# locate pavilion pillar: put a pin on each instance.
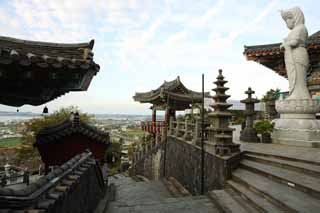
(167, 115)
(154, 120)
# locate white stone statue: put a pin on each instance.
(296, 55)
(297, 124)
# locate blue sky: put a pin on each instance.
(141, 43)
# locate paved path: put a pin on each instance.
(153, 197)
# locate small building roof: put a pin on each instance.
(172, 92)
(33, 72)
(52, 134)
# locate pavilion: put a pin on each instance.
(272, 57)
(59, 143)
(170, 97)
(33, 72)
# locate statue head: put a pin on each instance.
(293, 17)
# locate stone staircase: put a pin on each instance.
(153, 197)
(270, 183)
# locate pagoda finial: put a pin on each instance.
(249, 92)
(220, 76)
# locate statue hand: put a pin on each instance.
(282, 47)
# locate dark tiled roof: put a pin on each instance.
(252, 52)
(35, 73)
(56, 132)
(45, 54)
(175, 89)
(35, 193)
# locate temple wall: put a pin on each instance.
(151, 164)
(183, 162)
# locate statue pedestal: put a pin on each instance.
(297, 124)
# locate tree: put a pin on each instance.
(26, 151)
(271, 95)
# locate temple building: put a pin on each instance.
(272, 57)
(59, 143)
(35, 73)
(170, 97)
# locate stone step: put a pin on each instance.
(259, 202)
(290, 199)
(176, 188)
(297, 180)
(228, 201)
(296, 159)
(310, 168)
(171, 188)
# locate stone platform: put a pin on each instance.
(294, 152)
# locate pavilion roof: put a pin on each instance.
(33, 72)
(54, 133)
(173, 92)
(272, 57)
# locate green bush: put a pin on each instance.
(263, 126)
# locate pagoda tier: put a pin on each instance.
(220, 134)
(33, 72)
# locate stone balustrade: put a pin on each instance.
(187, 130)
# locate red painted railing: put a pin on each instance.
(152, 127)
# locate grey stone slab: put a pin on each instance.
(228, 202)
(256, 199)
(153, 197)
(280, 193)
(299, 153)
(306, 181)
(286, 163)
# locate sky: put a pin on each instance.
(141, 43)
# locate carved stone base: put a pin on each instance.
(297, 137)
(249, 135)
(227, 149)
(297, 124)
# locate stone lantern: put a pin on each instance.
(249, 134)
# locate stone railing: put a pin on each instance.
(76, 186)
(152, 127)
(187, 130)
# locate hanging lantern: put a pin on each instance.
(45, 110)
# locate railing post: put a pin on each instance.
(176, 133)
(164, 130)
(171, 126)
(186, 129)
(196, 132)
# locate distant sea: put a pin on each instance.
(12, 116)
(21, 116)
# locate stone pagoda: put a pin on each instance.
(249, 134)
(220, 134)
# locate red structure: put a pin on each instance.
(58, 144)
